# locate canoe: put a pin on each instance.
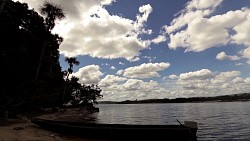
(119, 132)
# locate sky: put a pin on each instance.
(149, 49)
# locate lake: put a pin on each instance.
(216, 121)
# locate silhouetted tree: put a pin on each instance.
(23, 33)
(27, 41)
(52, 13)
(71, 61)
(86, 95)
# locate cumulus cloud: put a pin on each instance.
(224, 77)
(159, 39)
(150, 58)
(110, 80)
(121, 63)
(224, 56)
(145, 70)
(112, 68)
(102, 35)
(207, 83)
(239, 64)
(201, 4)
(200, 74)
(130, 89)
(120, 72)
(215, 33)
(89, 74)
(106, 2)
(173, 76)
(194, 9)
(191, 84)
(90, 29)
(196, 30)
(246, 54)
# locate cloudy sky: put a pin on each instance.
(143, 49)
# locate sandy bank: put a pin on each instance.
(24, 130)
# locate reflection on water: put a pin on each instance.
(216, 121)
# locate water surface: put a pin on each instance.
(216, 121)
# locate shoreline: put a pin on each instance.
(22, 129)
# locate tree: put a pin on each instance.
(86, 95)
(23, 33)
(52, 12)
(71, 61)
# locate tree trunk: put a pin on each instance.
(41, 59)
(64, 91)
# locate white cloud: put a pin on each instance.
(90, 29)
(150, 59)
(203, 4)
(134, 59)
(106, 36)
(224, 56)
(159, 39)
(106, 2)
(145, 70)
(120, 72)
(121, 63)
(238, 80)
(203, 84)
(112, 68)
(224, 77)
(141, 19)
(242, 29)
(196, 30)
(247, 80)
(173, 76)
(110, 80)
(105, 64)
(89, 74)
(130, 89)
(194, 9)
(246, 54)
(239, 64)
(200, 75)
(199, 83)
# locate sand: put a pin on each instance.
(23, 130)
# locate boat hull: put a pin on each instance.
(119, 131)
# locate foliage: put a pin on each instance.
(84, 94)
(76, 93)
(23, 34)
(29, 57)
(71, 61)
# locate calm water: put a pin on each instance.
(216, 121)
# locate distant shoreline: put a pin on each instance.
(244, 97)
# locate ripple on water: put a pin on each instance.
(216, 121)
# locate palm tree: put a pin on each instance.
(71, 61)
(52, 12)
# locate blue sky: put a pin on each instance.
(147, 49)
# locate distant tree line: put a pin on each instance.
(224, 98)
(29, 56)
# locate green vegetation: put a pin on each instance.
(29, 56)
(224, 98)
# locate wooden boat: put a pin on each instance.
(119, 132)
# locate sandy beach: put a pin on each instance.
(23, 130)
